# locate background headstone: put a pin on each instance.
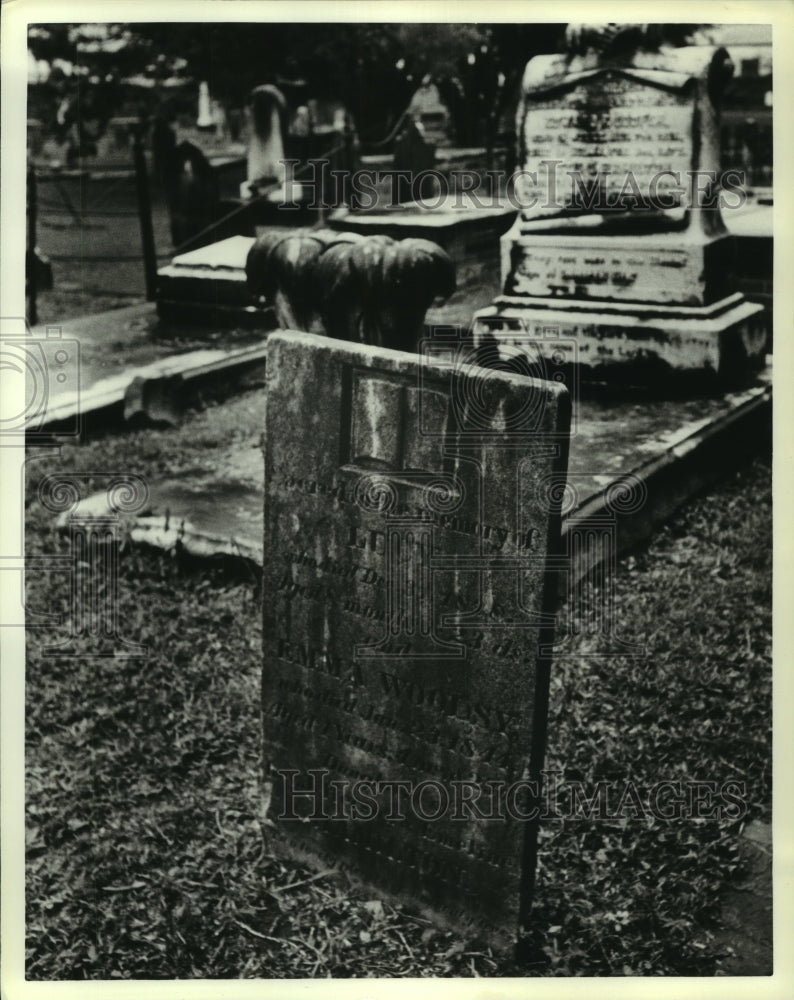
(429, 110)
(619, 242)
(192, 192)
(266, 148)
(412, 505)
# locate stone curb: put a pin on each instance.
(155, 393)
(687, 464)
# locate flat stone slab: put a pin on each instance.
(199, 516)
(208, 282)
(659, 442)
(452, 211)
(138, 337)
(226, 255)
(219, 266)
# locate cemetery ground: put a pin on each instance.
(92, 237)
(146, 855)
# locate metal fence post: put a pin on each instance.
(145, 214)
(31, 263)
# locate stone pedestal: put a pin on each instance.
(619, 259)
(626, 342)
(684, 268)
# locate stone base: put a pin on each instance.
(212, 274)
(208, 286)
(623, 342)
(677, 446)
(688, 267)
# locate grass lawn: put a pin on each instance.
(145, 853)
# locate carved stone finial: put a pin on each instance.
(370, 289)
(605, 37)
(625, 39)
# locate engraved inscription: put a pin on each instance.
(404, 604)
(597, 271)
(608, 129)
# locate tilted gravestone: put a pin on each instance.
(412, 503)
(619, 243)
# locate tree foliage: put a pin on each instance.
(373, 69)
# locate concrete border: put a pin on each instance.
(183, 378)
(678, 471)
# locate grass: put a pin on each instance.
(96, 253)
(145, 853)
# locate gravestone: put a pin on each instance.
(266, 146)
(204, 119)
(619, 242)
(429, 110)
(412, 505)
(191, 188)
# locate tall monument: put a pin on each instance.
(619, 254)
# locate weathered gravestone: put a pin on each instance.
(429, 110)
(411, 506)
(266, 148)
(192, 193)
(619, 243)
